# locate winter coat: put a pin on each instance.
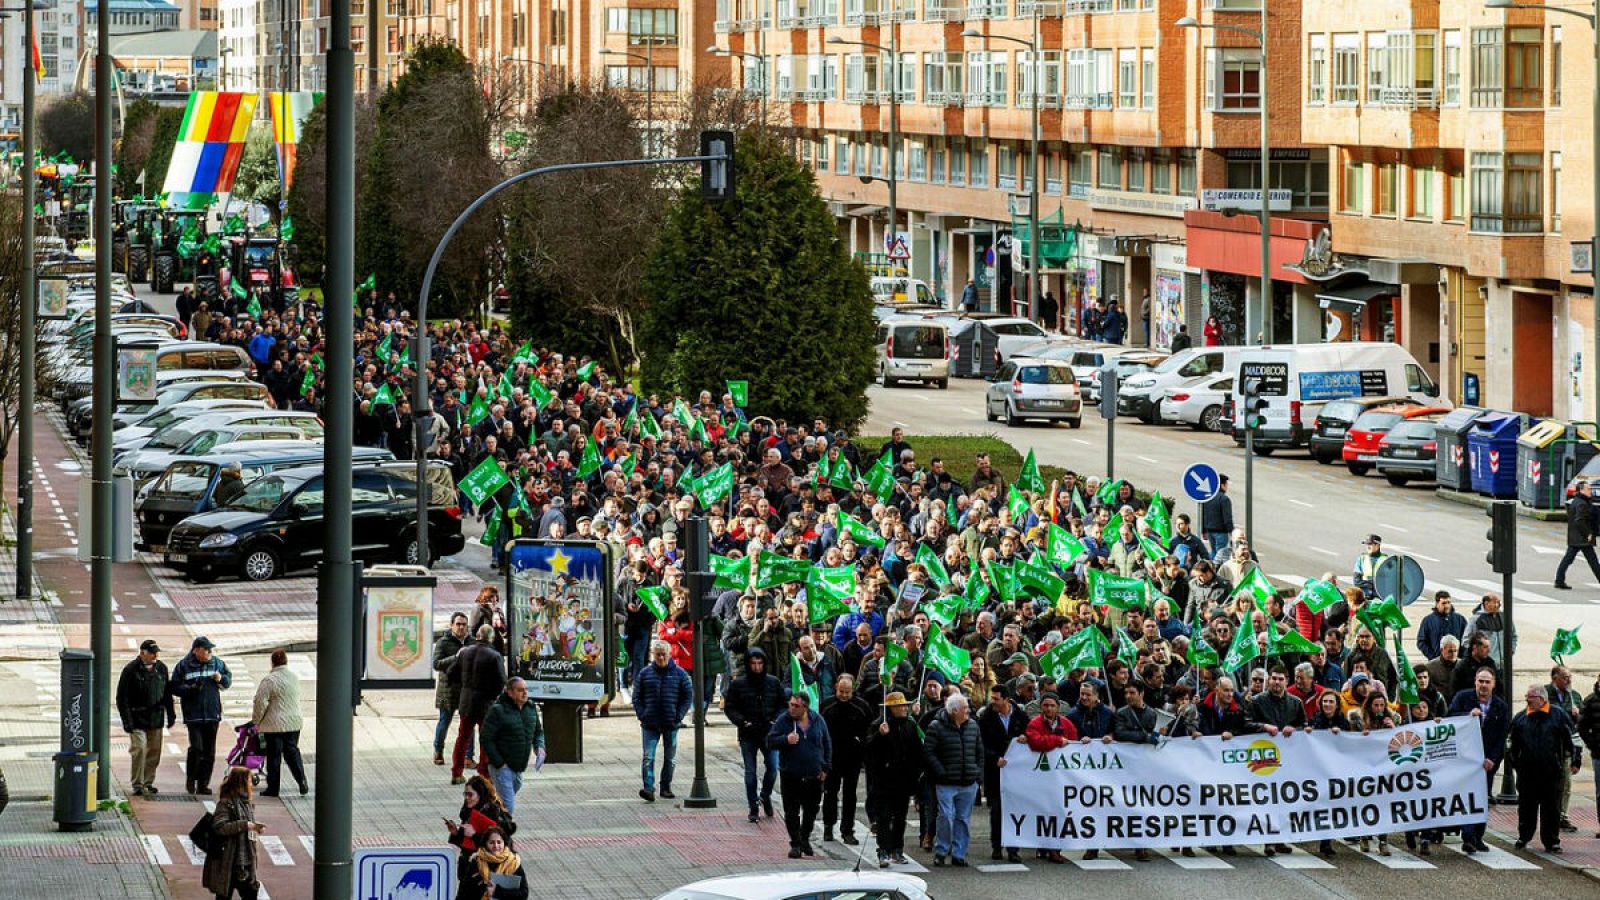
(954, 754)
(445, 694)
(198, 693)
(1434, 627)
(1216, 515)
(510, 735)
(478, 672)
(1589, 724)
(1091, 723)
(848, 722)
(820, 672)
(752, 703)
(1541, 745)
(777, 642)
(1580, 521)
(1215, 720)
(811, 755)
(277, 706)
(1044, 735)
(736, 644)
(662, 696)
(895, 761)
(143, 701)
(713, 662)
(1496, 723)
(997, 735)
(1135, 726)
(1287, 711)
(231, 821)
(680, 638)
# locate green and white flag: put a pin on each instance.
(799, 685)
(1017, 503)
(740, 391)
(1156, 517)
(525, 354)
(1062, 548)
(1108, 492)
(254, 309)
(1111, 589)
(978, 591)
(1085, 649)
(385, 347)
(628, 465)
(951, 661)
(893, 656)
(930, 560)
(482, 482)
(1281, 641)
(681, 413)
(648, 426)
(731, 574)
(586, 371)
(1257, 586)
(1038, 581)
(1029, 478)
(1126, 651)
(841, 475)
(384, 396)
(697, 431)
(1409, 690)
(1152, 547)
(716, 486)
(1004, 580)
(1244, 648)
(858, 532)
(590, 463)
(839, 581)
(773, 569)
(1380, 615)
(952, 512)
(945, 610)
(1112, 530)
(478, 411)
(371, 284)
(820, 475)
(822, 605)
(1566, 643)
(880, 480)
(1202, 655)
(655, 599)
(1318, 595)
(503, 388)
(541, 395)
(491, 532)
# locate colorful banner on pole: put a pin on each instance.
(210, 146)
(1252, 789)
(289, 112)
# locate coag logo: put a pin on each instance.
(1260, 757)
(1405, 747)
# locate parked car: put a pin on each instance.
(1027, 388)
(913, 349)
(1327, 436)
(1139, 392)
(145, 465)
(838, 884)
(140, 432)
(1408, 452)
(276, 525)
(79, 413)
(1196, 403)
(1360, 451)
(1013, 334)
(899, 291)
(156, 454)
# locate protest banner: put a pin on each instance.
(1251, 789)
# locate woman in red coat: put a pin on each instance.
(677, 629)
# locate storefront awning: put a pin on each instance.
(1353, 297)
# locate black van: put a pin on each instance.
(276, 524)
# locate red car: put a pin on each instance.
(1360, 451)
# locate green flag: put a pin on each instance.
(1156, 517)
(1257, 586)
(586, 371)
(491, 532)
(1409, 691)
(234, 225)
(1004, 580)
(731, 574)
(541, 395)
(478, 411)
(773, 569)
(1153, 550)
(799, 686)
(822, 603)
(1062, 548)
(740, 391)
(880, 480)
(1281, 641)
(1017, 503)
(697, 431)
(482, 482)
(1318, 595)
(525, 354)
(1085, 649)
(1108, 492)
(952, 512)
(1111, 589)
(1112, 530)
(628, 465)
(385, 346)
(384, 396)
(254, 309)
(893, 656)
(308, 382)
(503, 388)
(648, 426)
(655, 599)
(819, 475)
(950, 660)
(237, 289)
(858, 532)
(681, 413)
(841, 477)
(590, 463)
(1244, 648)
(631, 422)
(286, 230)
(370, 284)
(1566, 643)
(1202, 655)
(1037, 580)
(1126, 651)
(1029, 478)
(840, 581)
(930, 560)
(978, 591)
(717, 485)
(1077, 504)
(945, 610)
(1381, 614)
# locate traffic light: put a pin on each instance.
(1502, 535)
(716, 175)
(1253, 406)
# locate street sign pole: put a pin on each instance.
(1108, 411)
(101, 524)
(699, 559)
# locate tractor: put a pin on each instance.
(177, 244)
(256, 264)
(130, 238)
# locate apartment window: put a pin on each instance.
(1233, 79)
(1161, 172)
(936, 163)
(1450, 68)
(821, 155)
(1052, 173)
(1424, 185)
(1306, 179)
(1317, 70)
(617, 19)
(558, 27)
(1109, 169)
(1147, 78)
(1080, 172)
(1555, 65)
(1186, 173)
(1006, 167)
(1507, 68)
(919, 161)
(1353, 190)
(1555, 192)
(841, 156)
(1388, 185)
(1455, 189)
(1049, 71)
(1127, 78)
(1507, 193)
(1346, 68)
(657, 26)
(1377, 65)
(1089, 79)
(941, 77)
(1136, 160)
(858, 154)
(958, 162)
(980, 164)
(986, 77)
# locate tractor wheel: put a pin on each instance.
(139, 264)
(165, 275)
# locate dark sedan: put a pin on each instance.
(1336, 417)
(1407, 452)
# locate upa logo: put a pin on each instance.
(1261, 757)
(1405, 747)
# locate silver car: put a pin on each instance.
(1031, 388)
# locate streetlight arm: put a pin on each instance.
(1251, 32)
(1015, 40)
(1587, 17)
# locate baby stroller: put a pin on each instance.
(247, 751)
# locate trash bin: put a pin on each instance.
(76, 776)
(1492, 446)
(1548, 455)
(1452, 465)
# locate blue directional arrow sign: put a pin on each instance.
(1201, 482)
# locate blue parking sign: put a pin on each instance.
(406, 873)
(1201, 482)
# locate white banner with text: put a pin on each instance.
(1251, 789)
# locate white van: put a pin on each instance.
(1296, 379)
(895, 290)
(913, 349)
(1137, 395)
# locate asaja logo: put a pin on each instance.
(1261, 757)
(1405, 747)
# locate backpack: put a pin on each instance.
(204, 835)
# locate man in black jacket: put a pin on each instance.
(1542, 749)
(480, 672)
(849, 720)
(145, 706)
(1483, 701)
(1216, 517)
(1580, 535)
(999, 723)
(954, 754)
(752, 703)
(894, 767)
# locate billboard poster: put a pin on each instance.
(1168, 302)
(560, 620)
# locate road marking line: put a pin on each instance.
(196, 858)
(1324, 552)
(1522, 596)
(172, 748)
(1103, 864)
(161, 599)
(901, 425)
(1393, 527)
(132, 644)
(1299, 860)
(309, 842)
(156, 851)
(1397, 859)
(1200, 860)
(1497, 858)
(276, 851)
(1421, 556)
(210, 805)
(998, 868)
(1081, 441)
(1149, 460)
(1299, 502)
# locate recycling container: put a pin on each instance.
(75, 800)
(1452, 464)
(1492, 445)
(1548, 455)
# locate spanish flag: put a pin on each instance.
(38, 62)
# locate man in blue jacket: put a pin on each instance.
(662, 696)
(198, 682)
(805, 755)
(1482, 701)
(1435, 626)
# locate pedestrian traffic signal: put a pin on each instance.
(1502, 535)
(1253, 406)
(716, 175)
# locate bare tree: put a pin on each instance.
(11, 263)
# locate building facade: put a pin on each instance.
(60, 34)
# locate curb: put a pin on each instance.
(1482, 502)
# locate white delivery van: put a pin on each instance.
(897, 290)
(1137, 396)
(1296, 379)
(913, 349)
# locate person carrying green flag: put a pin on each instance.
(541, 395)
(934, 566)
(590, 463)
(654, 598)
(1029, 478)
(880, 480)
(586, 371)
(491, 531)
(1117, 592)
(1108, 492)
(1318, 595)
(951, 661)
(384, 396)
(740, 392)
(799, 685)
(484, 481)
(371, 284)
(478, 411)
(1157, 518)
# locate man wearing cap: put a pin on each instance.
(999, 723)
(894, 767)
(198, 682)
(145, 706)
(1364, 573)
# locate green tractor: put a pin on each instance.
(130, 238)
(77, 205)
(177, 247)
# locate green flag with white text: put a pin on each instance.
(1318, 595)
(740, 392)
(541, 395)
(716, 485)
(1038, 581)
(880, 480)
(1565, 644)
(773, 569)
(1409, 690)
(655, 599)
(930, 561)
(858, 532)
(482, 482)
(1017, 503)
(799, 686)
(1062, 547)
(586, 371)
(1244, 647)
(1156, 517)
(1111, 589)
(1029, 478)
(1257, 586)
(951, 661)
(590, 463)
(491, 532)
(478, 411)
(731, 574)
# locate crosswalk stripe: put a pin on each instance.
(1103, 864)
(1497, 858)
(1398, 859)
(1299, 860)
(1201, 860)
(196, 858)
(997, 868)
(210, 805)
(156, 851)
(309, 842)
(276, 851)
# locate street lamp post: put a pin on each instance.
(543, 67)
(1256, 323)
(761, 69)
(1035, 55)
(649, 91)
(894, 123)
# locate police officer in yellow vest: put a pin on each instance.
(1365, 573)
